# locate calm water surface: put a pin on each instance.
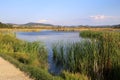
(49, 38)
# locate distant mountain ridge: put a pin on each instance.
(36, 24)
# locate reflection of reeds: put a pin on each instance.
(97, 58)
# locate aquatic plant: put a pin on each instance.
(97, 57)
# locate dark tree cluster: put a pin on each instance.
(5, 25)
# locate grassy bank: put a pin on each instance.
(30, 57)
(30, 53)
(98, 58)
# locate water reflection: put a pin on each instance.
(49, 38)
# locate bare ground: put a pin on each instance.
(10, 72)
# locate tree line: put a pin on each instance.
(2, 25)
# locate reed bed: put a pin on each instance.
(30, 57)
(98, 57)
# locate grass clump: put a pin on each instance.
(73, 76)
(98, 57)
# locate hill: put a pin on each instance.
(36, 24)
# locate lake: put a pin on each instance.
(49, 37)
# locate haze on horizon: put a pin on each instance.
(61, 12)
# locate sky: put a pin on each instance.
(61, 12)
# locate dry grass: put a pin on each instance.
(14, 29)
(35, 29)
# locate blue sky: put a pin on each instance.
(61, 12)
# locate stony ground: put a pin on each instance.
(10, 72)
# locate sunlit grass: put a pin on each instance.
(26, 52)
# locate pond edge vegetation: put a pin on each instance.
(98, 57)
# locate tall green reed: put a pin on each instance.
(98, 57)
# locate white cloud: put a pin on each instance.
(42, 21)
(99, 17)
(104, 17)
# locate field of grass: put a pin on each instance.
(97, 57)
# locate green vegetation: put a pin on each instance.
(30, 57)
(98, 57)
(30, 53)
(91, 34)
(73, 76)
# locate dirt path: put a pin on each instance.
(10, 72)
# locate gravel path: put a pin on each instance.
(10, 72)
